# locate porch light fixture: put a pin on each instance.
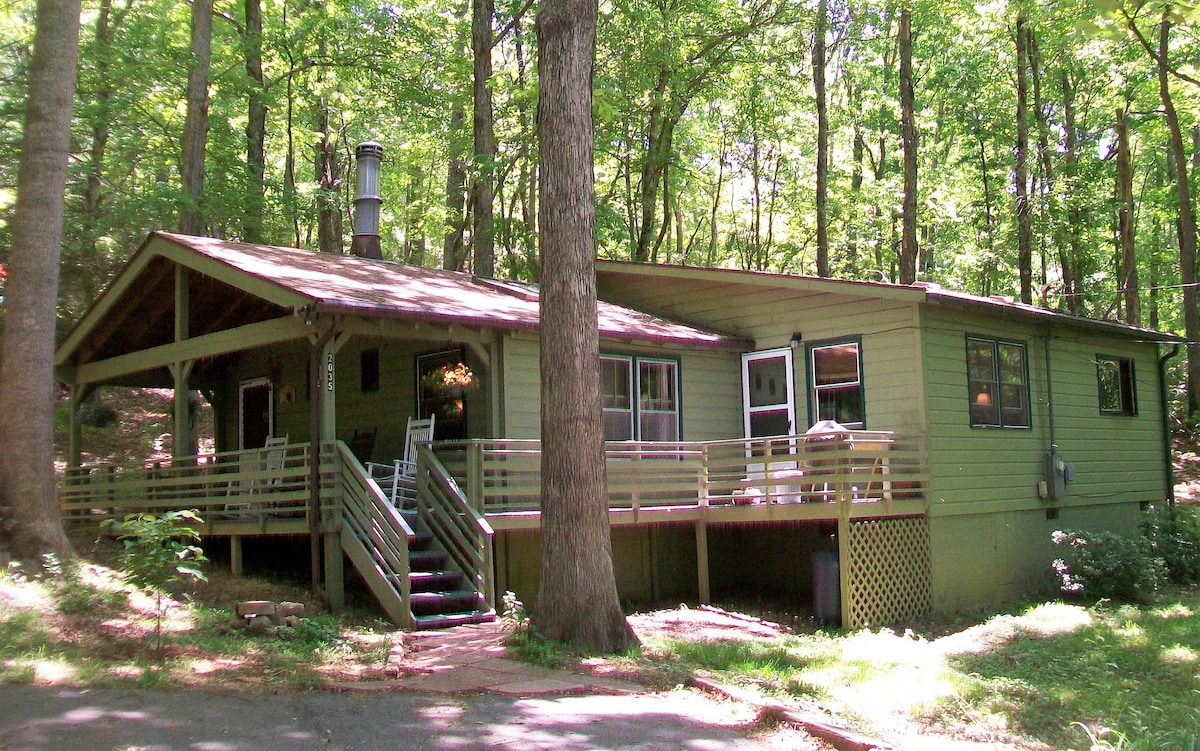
(797, 337)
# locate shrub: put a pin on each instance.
(1174, 534)
(96, 415)
(1108, 565)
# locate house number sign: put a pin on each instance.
(329, 372)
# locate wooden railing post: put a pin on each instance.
(475, 476)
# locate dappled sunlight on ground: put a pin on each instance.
(1046, 620)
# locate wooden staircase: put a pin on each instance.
(428, 565)
(440, 595)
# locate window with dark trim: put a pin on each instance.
(654, 414)
(369, 370)
(1115, 383)
(835, 376)
(997, 383)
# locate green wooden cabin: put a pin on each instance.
(929, 488)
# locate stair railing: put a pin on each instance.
(383, 538)
(464, 533)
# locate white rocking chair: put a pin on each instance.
(399, 479)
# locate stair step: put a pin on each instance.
(445, 602)
(428, 622)
(426, 560)
(433, 581)
(422, 541)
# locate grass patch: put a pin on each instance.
(89, 627)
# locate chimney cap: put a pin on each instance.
(369, 148)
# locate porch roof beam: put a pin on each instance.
(210, 345)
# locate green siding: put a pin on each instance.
(769, 317)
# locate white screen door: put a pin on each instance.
(768, 393)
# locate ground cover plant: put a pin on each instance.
(91, 625)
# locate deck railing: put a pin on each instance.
(228, 486)
(503, 477)
(378, 539)
(463, 532)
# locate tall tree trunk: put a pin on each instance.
(27, 401)
(1128, 276)
(256, 127)
(908, 139)
(1072, 259)
(195, 125)
(1045, 159)
(577, 600)
(1187, 221)
(1024, 226)
(483, 237)
(658, 144)
(988, 272)
(454, 251)
(327, 170)
(818, 63)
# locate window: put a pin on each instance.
(369, 370)
(836, 379)
(1114, 379)
(997, 384)
(616, 381)
(654, 415)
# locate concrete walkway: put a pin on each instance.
(471, 659)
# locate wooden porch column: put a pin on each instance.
(702, 586)
(323, 429)
(183, 438)
(75, 440)
(183, 442)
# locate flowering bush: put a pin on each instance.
(1108, 565)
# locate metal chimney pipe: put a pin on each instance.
(369, 157)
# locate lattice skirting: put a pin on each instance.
(885, 571)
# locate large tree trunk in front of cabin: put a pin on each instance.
(195, 124)
(577, 601)
(27, 486)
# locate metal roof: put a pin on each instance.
(360, 286)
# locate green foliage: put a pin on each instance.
(1174, 534)
(1104, 564)
(160, 550)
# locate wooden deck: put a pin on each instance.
(856, 474)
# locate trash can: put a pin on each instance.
(827, 587)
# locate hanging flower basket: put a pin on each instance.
(449, 379)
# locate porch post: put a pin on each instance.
(183, 445)
(183, 442)
(323, 429)
(702, 585)
(75, 441)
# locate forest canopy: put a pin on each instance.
(754, 134)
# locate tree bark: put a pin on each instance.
(327, 169)
(577, 600)
(27, 402)
(195, 127)
(454, 253)
(1024, 227)
(256, 126)
(483, 237)
(1187, 221)
(1128, 277)
(822, 138)
(908, 139)
(1072, 263)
